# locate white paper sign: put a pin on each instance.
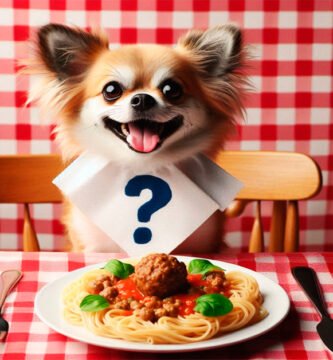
(217, 183)
(142, 213)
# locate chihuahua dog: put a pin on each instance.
(141, 106)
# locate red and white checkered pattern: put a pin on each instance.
(292, 71)
(295, 338)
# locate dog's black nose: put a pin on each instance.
(142, 102)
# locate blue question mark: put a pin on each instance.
(161, 195)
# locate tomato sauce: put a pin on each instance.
(196, 280)
(127, 289)
(127, 312)
(188, 301)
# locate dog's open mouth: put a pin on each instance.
(144, 135)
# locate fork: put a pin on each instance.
(8, 279)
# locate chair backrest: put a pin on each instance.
(27, 179)
(282, 177)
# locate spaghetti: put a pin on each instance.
(188, 326)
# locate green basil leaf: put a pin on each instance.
(94, 303)
(213, 305)
(201, 266)
(119, 269)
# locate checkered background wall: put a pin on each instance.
(290, 110)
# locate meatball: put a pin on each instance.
(216, 282)
(109, 293)
(160, 275)
(100, 283)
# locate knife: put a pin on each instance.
(307, 279)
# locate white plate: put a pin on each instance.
(48, 307)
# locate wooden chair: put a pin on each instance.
(27, 179)
(282, 177)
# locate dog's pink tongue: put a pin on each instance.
(142, 139)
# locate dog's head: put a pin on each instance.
(139, 102)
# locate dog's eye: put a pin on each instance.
(112, 91)
(171, 90)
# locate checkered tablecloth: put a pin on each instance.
(294, 338)
(291, 70)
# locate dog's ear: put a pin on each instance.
(67, 51)
(218, 57)
(216, 51)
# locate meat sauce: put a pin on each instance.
(198, 286)
(126, 296)
(127, 289)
